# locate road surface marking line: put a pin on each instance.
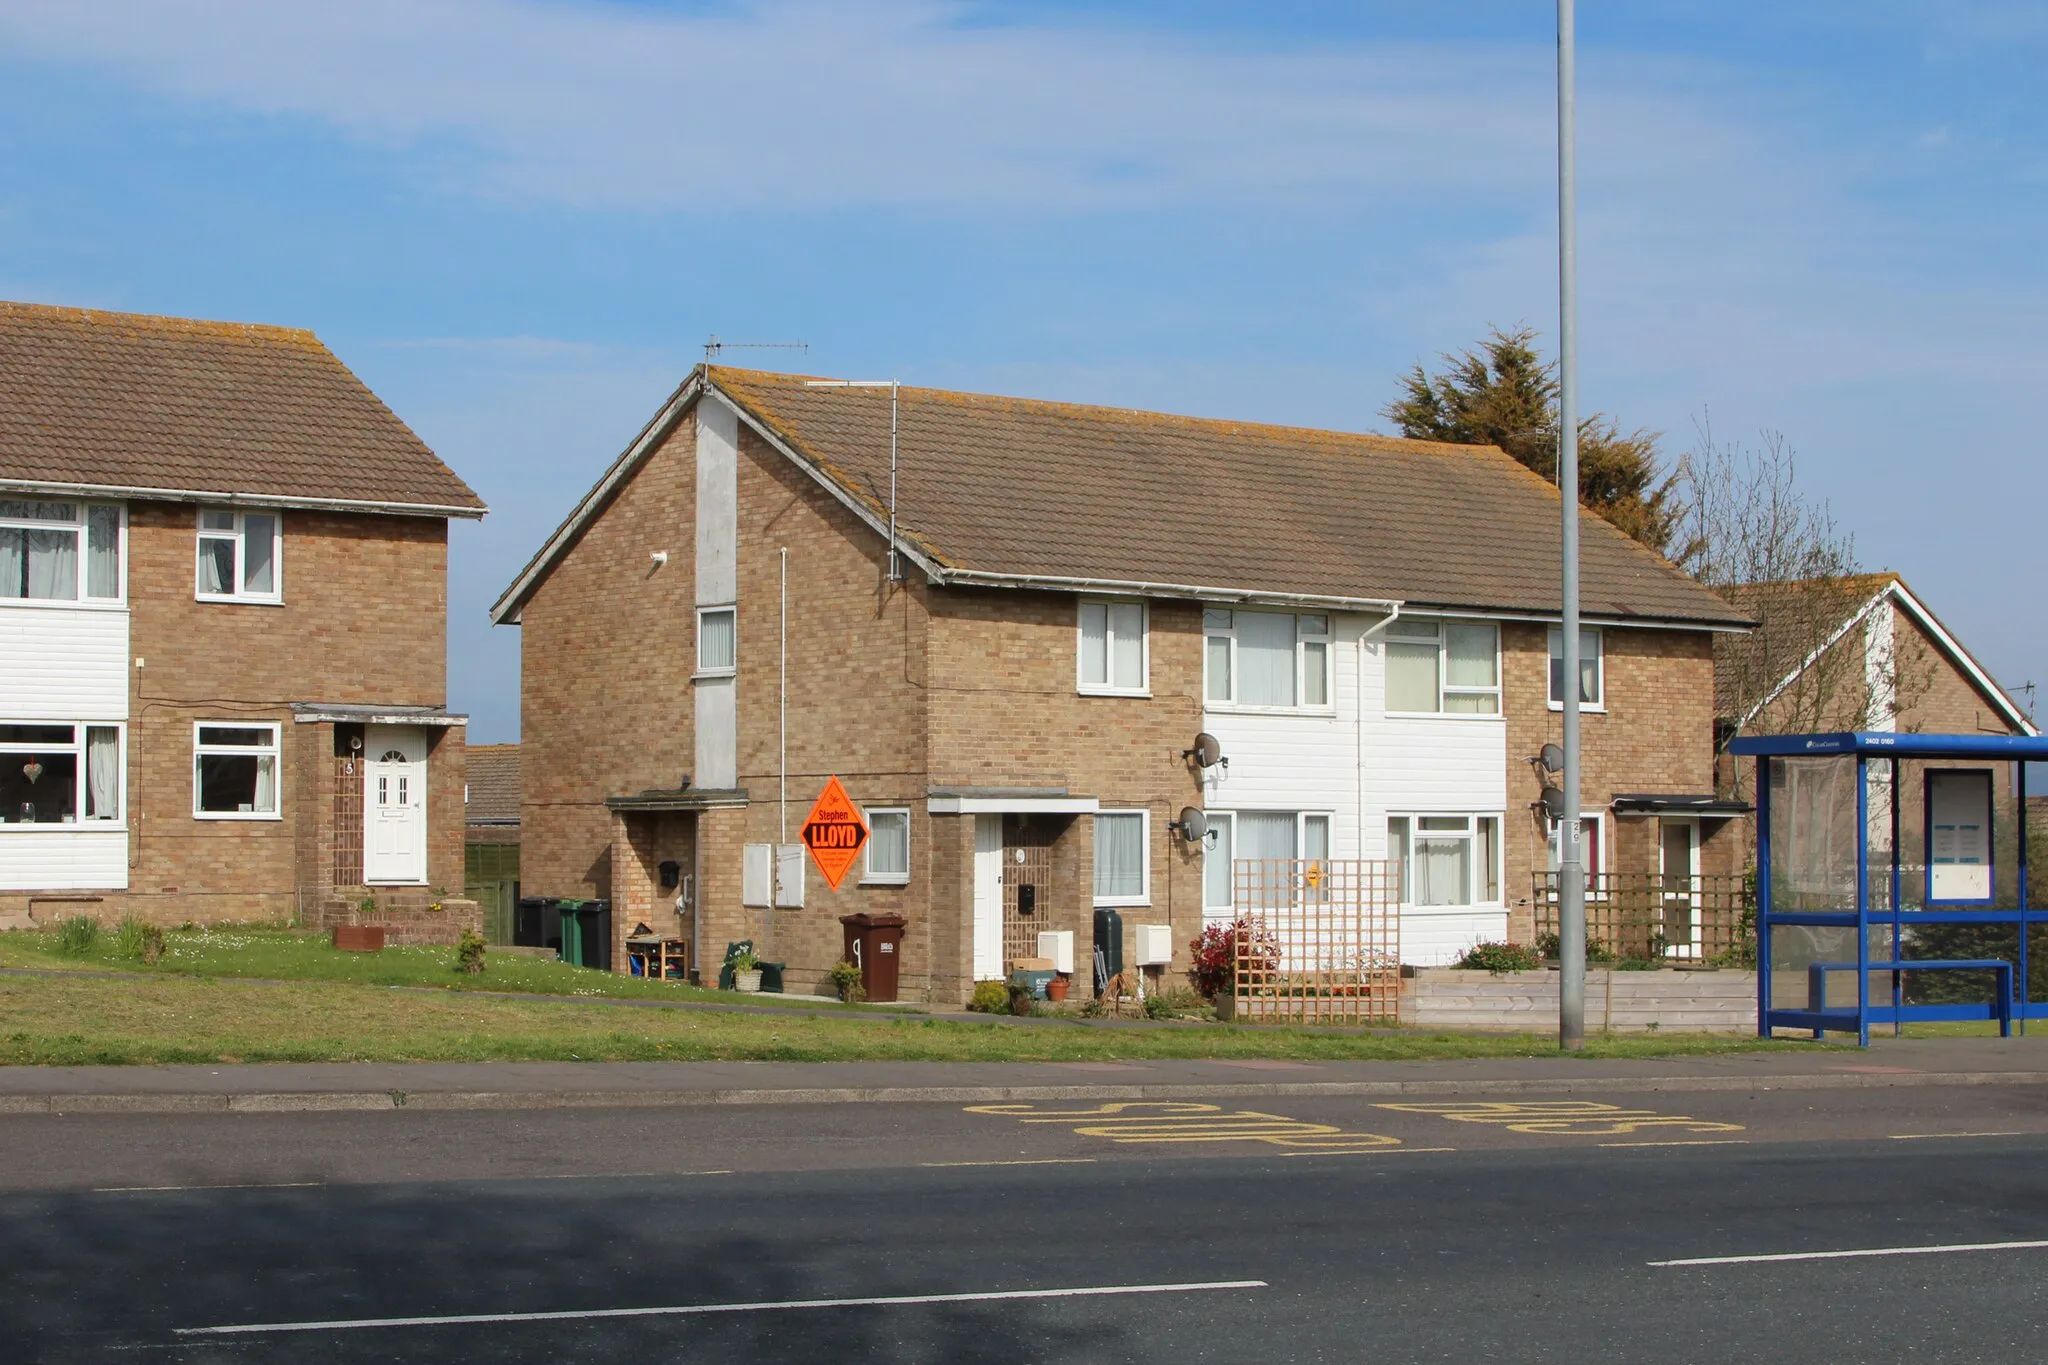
(1041, 1161)
(1372, 1151)
(172, 1189)
(1915, 1137)
(701, 1309)
(1847, 1255)
(1685, 1142)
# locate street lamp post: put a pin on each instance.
(1571, 870)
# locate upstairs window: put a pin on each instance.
(240, 555)
(59, 551)
(717, 642)
(1443, 667)
(1266, 659)
(1113, 648)
(1592, 668)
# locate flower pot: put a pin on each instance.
(747, 981)
(359, 938)
(1226, 1007)
(1056, 989)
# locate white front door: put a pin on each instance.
(988, 897)
(395, 805)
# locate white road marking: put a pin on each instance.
(702, 1309)
(1915, 1137)
(1040, 1161)
(1846, 1255)
(170, 1189)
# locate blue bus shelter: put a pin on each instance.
(1862, 874)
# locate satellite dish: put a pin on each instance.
(1552, 801)
(1208, 750)
(1193, 824)
(1552, 758)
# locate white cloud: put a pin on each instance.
(785, 104)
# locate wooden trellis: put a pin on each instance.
(1318, 941)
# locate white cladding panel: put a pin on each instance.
(1432, 937)
(63, 663)
(1445, 764)
(61, 859)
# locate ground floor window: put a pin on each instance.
(59, 773)
(1446, 859)
(1121, 867)
(1592, 838)
(888, 847)
(1261, 834)
(234, 770)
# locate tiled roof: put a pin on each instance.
(1022, 487)
(1794, 618)
(128, 401)
(493, 783)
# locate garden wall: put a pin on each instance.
(1620, 1002)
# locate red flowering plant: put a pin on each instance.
(1215, 955)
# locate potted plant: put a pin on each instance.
(1057, 988)
(746, 972)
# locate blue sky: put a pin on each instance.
(518, 220)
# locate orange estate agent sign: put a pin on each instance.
(834, 833)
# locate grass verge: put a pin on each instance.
(95, 1020)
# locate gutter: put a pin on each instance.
(98, 490)
(1138, 588)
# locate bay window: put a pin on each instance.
(41, 765)
(234, 770)
(1112, 648)
(1265, 658)
(1122, 871)
(1592, 668)
(239, 555)
(1446, 859)
(59, 551)
(1443, 667)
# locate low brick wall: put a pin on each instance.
(1616, 1002)
(405, 917)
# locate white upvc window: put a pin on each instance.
(1446, 859)
(888, 847)
(1113, 649)
(1443, 667)
(1123, 869)
(1592, 842)
(718, 645)
(61, 551)
(1592, 669)
(1259, 834)
(60, 773)
(241, 556)
(235, 770)
(1268, 659)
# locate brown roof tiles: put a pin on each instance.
(129, 401)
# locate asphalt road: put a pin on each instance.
(1282, 1230)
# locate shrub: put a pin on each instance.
(1093, 1008)
(75, 936)
(1177, 1002)
(1215, 953)
(846, 983)
(469, 953)
(1022, 1001)
(1548, 944)
(1499, 957)
(990, 997)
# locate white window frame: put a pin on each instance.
(1476, 876)
(1218, 818)
(1554, 649)
(1144, 894)
(732, 669)
(868, 875)
(77, 748)
(1303, 638)
(81, 525)
(1109, 687)
(240, 536)
(1444, 689)
(1598, 820)
(274, 750)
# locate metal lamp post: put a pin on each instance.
(1571, 870)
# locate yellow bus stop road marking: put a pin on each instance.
(1579, 1118)
(1185, 1121)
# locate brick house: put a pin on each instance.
(223, 597)
(1012, 686)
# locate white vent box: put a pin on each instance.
(757, 874)
(1155, 945)
(1058, 944)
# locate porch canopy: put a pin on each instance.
(1895, 857)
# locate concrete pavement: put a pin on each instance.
(548, 1085)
